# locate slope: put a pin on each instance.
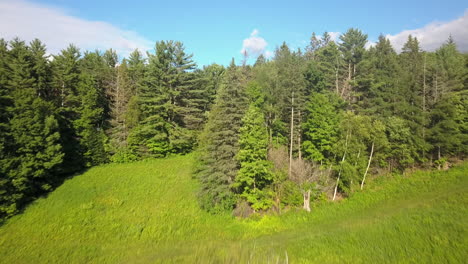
(146, 212)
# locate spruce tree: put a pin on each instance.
(33, 127)
(66, 80)
(7, 200)
(92, 115)
(255, 175)
(321, 126)
(167, 84)
(352, 47)
(218, 167)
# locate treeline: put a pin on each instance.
(66, 112)
(313, 124)
(283, 132)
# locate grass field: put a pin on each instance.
(146, 212)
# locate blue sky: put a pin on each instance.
(214, 31)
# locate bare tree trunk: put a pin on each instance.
(336, 81)
(270, 131)
(357, 158)
(306, 200)
(292, 135)
(368, 165)
(354, 72)
(424, 105)
(299, 137)
(347, 86)
(438, 157)
(341, 166)
(62, 97)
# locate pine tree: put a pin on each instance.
(330, 63)
(321, 126)
(65, 81)
(7, 199)
(413, 61)
(218, 167)
(92, 111)
(33, 128)
(120, 98)
(41, 70)
(352, 47)
(449, 103)
(161, 98)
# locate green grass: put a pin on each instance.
(146, 212)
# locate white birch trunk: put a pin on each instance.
(368, 165)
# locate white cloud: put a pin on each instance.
(433, 35)
(57, 29)
(268, 54)
(334, 36)
(369, 44)
(255, 45)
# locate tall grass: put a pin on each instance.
(146, 212)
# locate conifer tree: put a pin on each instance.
(91, 121)
(120, 98)
(161, 101)
(218, 167)
(352, 47)
(33, 127)
(7, 200)
(255, 175)
(321, 126)
(65, 80)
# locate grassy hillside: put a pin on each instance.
(146, 212)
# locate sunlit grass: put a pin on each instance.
(146, 212)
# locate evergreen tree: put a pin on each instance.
(218, 167)
(352, 47)
(330, 63)
(33, 128)
(413, 78)
(254, 175)
(120, 98)
(65, 80)
(449, 114)
(7, 200)
(321, 126)
(41, 70)
(167, 80)
(92, 114)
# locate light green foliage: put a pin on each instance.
(147, 212)
(359, 132)
(402, 151)
(254, 176)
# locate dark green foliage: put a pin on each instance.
(31, 157)
(321, 128)
(218, 167)
(449, 129)
(164, 102)
(66, 79)
(92, 110)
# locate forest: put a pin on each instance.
(302, 126)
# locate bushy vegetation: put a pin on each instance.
(147, 212)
